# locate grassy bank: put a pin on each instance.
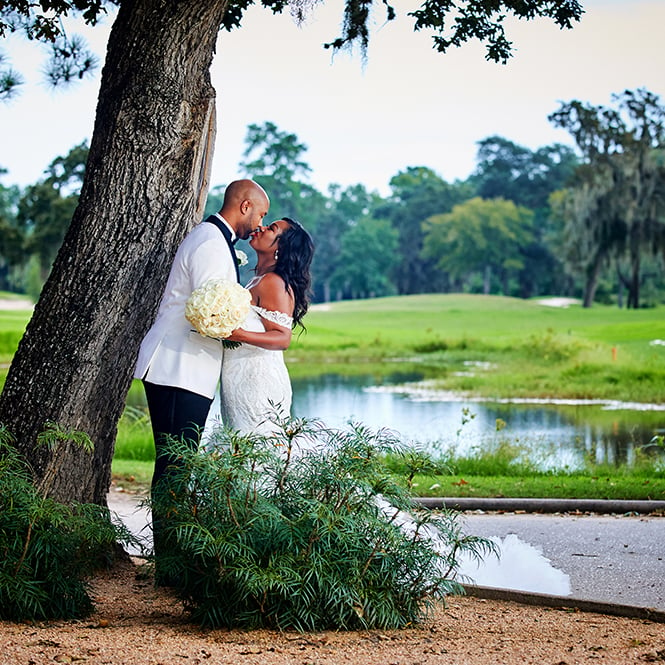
(549, 487)
(12, 326)
(492, 346)
(134, 476)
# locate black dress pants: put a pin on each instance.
(175, 413)
(178, 414)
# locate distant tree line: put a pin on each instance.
(587, 223)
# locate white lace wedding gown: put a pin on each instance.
(255, 384)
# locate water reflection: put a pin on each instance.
(519, 566)
(554, 435)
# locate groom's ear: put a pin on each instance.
(245, 206)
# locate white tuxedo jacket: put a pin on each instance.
(171, 353)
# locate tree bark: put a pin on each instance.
(591, 281)
(633, 301)
(145, 186)
(619, 289)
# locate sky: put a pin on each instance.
(365, 121)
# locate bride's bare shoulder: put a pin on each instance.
(271, 281)
(271, 293)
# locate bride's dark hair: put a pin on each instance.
(295, 250)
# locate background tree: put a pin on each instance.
(516, 173)
(366, 257)
(12, 237)
(416, 194)
(617, 204)
(584, 245)
(526, 177)
(145, 185)
(274, 158)
(46, 208)
(344, 208)
(482, 237)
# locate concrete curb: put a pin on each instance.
(565, 603)
(602, 506)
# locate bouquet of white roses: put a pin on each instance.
(218, 307)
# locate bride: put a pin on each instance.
(255, 384)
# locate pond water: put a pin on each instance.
(552, 435)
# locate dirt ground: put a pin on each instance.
(137, 624)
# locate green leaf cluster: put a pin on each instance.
(305, 530)
(48, 548)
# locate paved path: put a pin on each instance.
(615, 559)
(607, 558)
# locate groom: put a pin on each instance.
(180, 368)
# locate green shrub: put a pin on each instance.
(302, 531)
(431, 346)
(48, 548)
(551, 347)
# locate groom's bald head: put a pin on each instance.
(245, 205)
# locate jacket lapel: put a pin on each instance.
(227, 236)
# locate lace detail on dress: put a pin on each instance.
(255, 382)
(280, 318)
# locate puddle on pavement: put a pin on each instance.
(519, 567)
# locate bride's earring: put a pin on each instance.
(276, 254)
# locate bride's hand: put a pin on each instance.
(238, 335)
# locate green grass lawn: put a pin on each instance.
(517, 348)
(557, 486)
(404, 321)
(135, 475)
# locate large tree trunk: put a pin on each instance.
(591, 281)
(633, 301)
(145, 185)
(635, 247)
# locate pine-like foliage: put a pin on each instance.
(47, 548)
(304, 530)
